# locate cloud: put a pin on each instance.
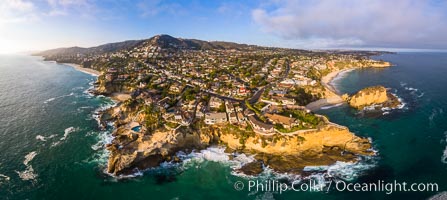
(373, 23)
(13, 11)
(83, 8)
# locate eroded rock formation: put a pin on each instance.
(375, 95)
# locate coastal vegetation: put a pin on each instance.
(184, 94)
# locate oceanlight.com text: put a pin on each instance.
(334, 185)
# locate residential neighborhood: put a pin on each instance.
(264, 88)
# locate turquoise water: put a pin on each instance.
(411, 141)
(45, 109)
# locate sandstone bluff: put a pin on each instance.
(132, 151)
(375, 95)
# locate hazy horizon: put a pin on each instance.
(27, 25)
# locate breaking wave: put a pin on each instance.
(97, 113)
(77, 88)
(349, 171)
(411, 89)
(414, 91)
(386, 110)
(43, 138)
(331, 106)
(49, 100)
(439, 196)
(444, 155)
(67, 132)
(28, 173)
(215, 154)
(4, 178)
(29, 157)
(320, 174)
(104, 138)
(101, 156)
(54, 98)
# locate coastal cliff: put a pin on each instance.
(149, 145)
(312, 140)
(133, 150)
(106, 87)
(379, 64)
(291, 153)
(178, 94)
(375, 95)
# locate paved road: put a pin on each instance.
(255, 98)
(258, 94)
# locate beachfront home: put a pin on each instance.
(284, 100)
(232, 117)
(260, 127)
(215, 102)
(280, 93)
(287, 122)
(215, 118)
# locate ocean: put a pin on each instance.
(51, 146)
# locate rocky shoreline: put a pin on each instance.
(373, 98)
(332, 96)
(132, 151)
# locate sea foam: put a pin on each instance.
(444, 155)
(43, 138)
(320, 174)
(54, 98)
(331, 106)
(4, 178)
(67, 131)
(29, 157)
(215, 154)
(28, 173)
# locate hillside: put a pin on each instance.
(162, 41)
(105, 48)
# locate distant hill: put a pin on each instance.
(106, 48)
(162, 41)
(167, 41)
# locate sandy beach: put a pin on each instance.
(118, 97)
(82, 69)
(327, 80)
(333, 97)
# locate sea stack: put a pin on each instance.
(375, 95)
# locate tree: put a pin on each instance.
(221, 108)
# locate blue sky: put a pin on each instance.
(42, 24)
